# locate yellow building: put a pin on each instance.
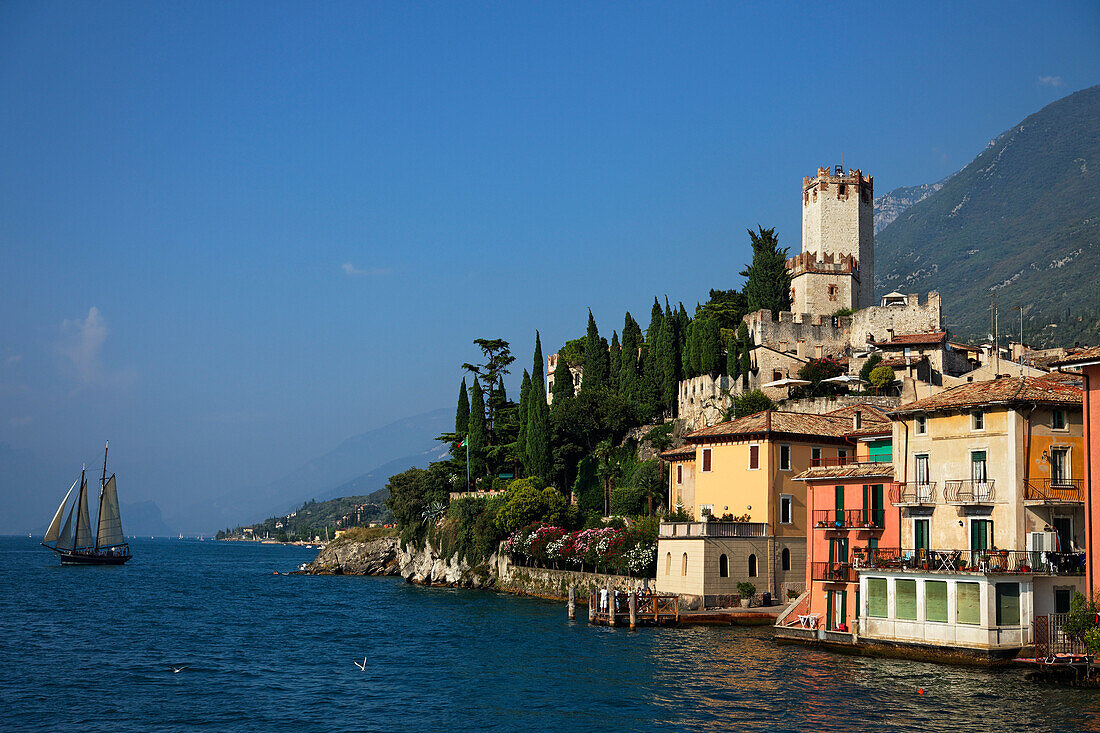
(752, 511)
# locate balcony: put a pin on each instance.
(715, 528)
(834, 519)
(1054, 491)
(834, 572)
(913, 493)
(847, 460)
(968, 491)
(969, 561)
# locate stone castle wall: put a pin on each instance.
(838, 219)
(703, 400)
(880, 322)
(812, 330)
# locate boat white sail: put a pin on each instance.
(109, 532)
(83, 522)
(65, 539)
(54, 532)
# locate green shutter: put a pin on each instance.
(935, 600)
(905, 599)
(968, 598)
(877, 602)
(1008, 604)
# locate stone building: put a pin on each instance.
(836, 267)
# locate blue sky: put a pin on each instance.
(234, 234)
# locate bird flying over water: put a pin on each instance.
(177, 670)
(362, 667)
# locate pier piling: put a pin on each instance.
(633, 601)
(572, 603)
(611, 599)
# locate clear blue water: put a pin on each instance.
(89, 649)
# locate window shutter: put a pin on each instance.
(754, 456)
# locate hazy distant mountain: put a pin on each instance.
(143, 519)
(890, 205)
(362, 457)
(1021, 222)
(374, 482)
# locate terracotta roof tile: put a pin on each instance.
(771, 421)
(1081, 357)
(851, 470)
(910, 339)
(1006, 390)
(684, 452)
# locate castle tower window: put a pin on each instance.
(777, 375)
(833, 291)
(842, 190)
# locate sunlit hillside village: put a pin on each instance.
(839, 461)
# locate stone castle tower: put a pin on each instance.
(836, 268)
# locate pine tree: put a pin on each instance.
(769, 282)
(477, 435)
(615, 362)
(595, 359)
(524, 419)
(462, 414)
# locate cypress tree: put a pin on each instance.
(477, 435)
(615, 362)
(733, 364)
(656, 315)
(629, 385)
(709, 347)
(666, 366)
(746, 354)
(524, 419)
(682, 323)
(538, 427)
(768, 283)
(563, 383)
(462, 414)
(595, 358)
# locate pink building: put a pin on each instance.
(1088, 361)
(849, 512)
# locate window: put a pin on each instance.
(786, 508)
(706, 459)
(935, 601)
(1008, 604)
(877, 600)
(905, 599)
(1058, 420)
(1062, 598)
(786, 559)
(754, 457)
(842, 456)
(684, 565)
(921, 425)
(921, 532)
(857, 420)
(752, 566)
(723, 567)
(924, 487)
(977, 420)
(815, 456)
(784, 458)
(668, 563)
(777, 375)
(968, 607)
(679, 474)
(833, 290)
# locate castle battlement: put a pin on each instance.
(827, 263)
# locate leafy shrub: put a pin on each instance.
(881, 377)
(746, 590)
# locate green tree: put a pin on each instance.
(668, 361)
(745, 347)
(872, 362)
(524, 420)
(462, 414)
(709, 347)
(727, 306)
(733, 364)
(815, 371)
(750, 403)
(615, 365)
(768, 283)
(477, 434)
(881, 377)
(497, 358)
(413, 490)
(563, 382)
(629, 384)
(596, 362)
(656, 315)
(538, 428)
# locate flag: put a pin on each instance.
(463, 443)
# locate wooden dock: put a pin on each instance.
(616, 608)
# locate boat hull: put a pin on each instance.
(92, 558)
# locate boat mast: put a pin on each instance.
(102, 485)
(79, 498)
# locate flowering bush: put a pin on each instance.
(606, 548)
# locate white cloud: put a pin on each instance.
(81, 343)
(1051, 81)
(353, 271)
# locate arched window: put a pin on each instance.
(684, 565)
(668, 563)
(786, 559)
(752, 566)
(723, 567)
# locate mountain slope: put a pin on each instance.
(1021, 222)
(893, 204)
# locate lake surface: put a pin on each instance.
(89, 649)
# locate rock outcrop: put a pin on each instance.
(426, 566)
(371, 557)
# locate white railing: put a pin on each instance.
(713, 529)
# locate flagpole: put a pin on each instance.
(467, 442)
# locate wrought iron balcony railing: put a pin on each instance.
(968, 491)
(973, 561)
(834, 572)
(913, 493)
(849, 518)
(1055, 490)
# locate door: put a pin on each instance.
(921, 531)
(1059, 466)
(981, 531)
(1064, 527)
(978, 475)
(872, 505)
(839, 494)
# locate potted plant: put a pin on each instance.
(747, 591)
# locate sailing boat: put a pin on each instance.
(74, 542)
